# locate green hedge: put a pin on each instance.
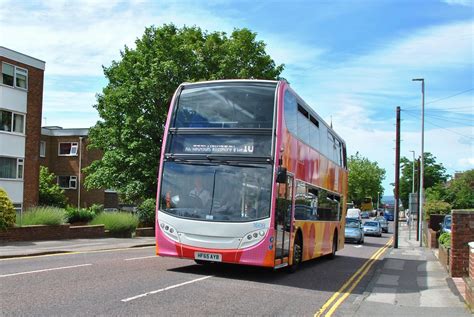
(7, 212)
(445, 240)
(116, 222)
(146, 212)
(50, 216)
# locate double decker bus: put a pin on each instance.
(249, 174)
(367, 204)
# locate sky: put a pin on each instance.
(352, 61)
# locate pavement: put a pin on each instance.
(32, 248)
(411, 282)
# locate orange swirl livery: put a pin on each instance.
(249, 174)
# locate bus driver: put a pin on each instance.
(199, 192)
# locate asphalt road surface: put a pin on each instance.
(135, 282)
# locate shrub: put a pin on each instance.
(146, 212)
(50, 194)
(79, 215)
(96, 208)
(7, 212)
(116, 222)
(436, 207)
(51, 216)
(445, 239)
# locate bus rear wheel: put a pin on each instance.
(334, 247)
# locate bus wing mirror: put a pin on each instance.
(281, 175)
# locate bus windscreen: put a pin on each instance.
(216, 192)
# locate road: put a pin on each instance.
(135, 282)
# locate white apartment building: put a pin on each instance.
(21, 98)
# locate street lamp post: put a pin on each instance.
(420, 216)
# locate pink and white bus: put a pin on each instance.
(249, 174)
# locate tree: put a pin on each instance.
(460, 191)
(435, 174)
(50, 194)
(133, 106)
(365, 179)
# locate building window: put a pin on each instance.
(17, 207)
(11, 168)
(14, 76)
(42, 148)
(67, 182)
(68, 148)
(8, 73)
(12, 122)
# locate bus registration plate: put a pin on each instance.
(208, 256)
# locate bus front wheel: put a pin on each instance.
(297, 256)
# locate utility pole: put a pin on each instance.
(397, 178)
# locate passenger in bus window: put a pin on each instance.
(200, 192)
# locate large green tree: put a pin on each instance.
(435, 174)
(365, 179)
(134, 104)
(460, 191)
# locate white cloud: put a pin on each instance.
(77, 38)
(288, 51)
(466, 3)
(466, 162)
(69, 101)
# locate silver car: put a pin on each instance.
(383, 223)
(353, 231)
(372, 228)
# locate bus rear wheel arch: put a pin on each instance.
(335, 240)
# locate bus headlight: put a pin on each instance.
(169, 231)
(252, 238)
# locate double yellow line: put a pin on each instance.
(329, 308)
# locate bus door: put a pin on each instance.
(283, 222)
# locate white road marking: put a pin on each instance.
(357, 246)
(45, 270)
(166, 288)
(143, 257)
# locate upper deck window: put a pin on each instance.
(226, 105)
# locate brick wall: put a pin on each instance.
(432, 239)
(469, 280)
(40, 232)
(34, 107)
(462, 232)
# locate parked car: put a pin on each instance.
(353, 231)
(372, 228)
(383, 223)
(353, 213)
(446, 224)
(365, 215)
(388, 214)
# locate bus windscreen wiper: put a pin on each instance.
(228, 159)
